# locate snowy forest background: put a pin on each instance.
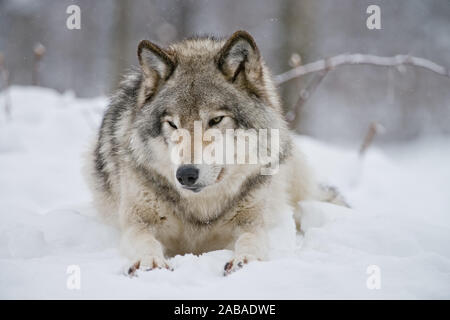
(408, 102)
(397, 230)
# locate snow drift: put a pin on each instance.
(400, 221)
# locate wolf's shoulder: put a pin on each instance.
(125, 96)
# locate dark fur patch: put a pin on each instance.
(159, 185)
(124, 100)
(100, 171)
(152, 126)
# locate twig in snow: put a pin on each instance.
(357, 58)
(373, 130)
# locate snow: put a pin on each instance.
(399, 221)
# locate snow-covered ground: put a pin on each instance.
(400, 221)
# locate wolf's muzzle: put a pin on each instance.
(187, 175)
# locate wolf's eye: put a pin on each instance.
(215, 121)
(172, 124)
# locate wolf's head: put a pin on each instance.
(190, 94)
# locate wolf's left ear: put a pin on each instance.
(156, 64)
(239, 59)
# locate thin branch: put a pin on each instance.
(5, 77)
(374, 129)
(293, 115)
(366, 59)
(7, 97)
(38, 52)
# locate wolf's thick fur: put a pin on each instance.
(133, 178)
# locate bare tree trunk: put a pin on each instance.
(297, 36)
(120, 39)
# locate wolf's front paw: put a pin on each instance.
(237, 263)
(148, 263)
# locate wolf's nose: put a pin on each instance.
(187, 175)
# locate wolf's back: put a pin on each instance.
(103, 158)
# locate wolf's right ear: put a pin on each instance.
(156, 64)
(240, 60)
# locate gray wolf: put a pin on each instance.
(164, 209)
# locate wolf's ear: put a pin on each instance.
(154, 60)
(239, 59)
(156, 64)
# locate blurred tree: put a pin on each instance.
(298, 39)
(407, 102)
(120, 31)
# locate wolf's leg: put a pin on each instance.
(138, 218)
(323, 194)
(138, 241)
(331, 194)
(248, 247)
(303, 185)
(146, 252)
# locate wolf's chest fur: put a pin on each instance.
(180, 237)
(192, 225)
